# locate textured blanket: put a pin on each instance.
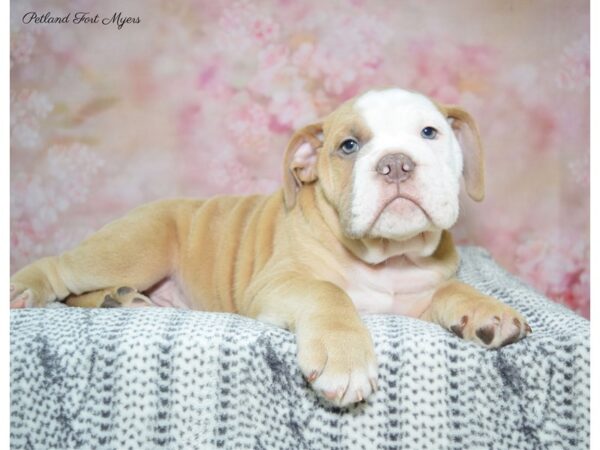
(164, 378)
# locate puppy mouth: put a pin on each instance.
(400, 196)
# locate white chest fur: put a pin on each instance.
(396, 286)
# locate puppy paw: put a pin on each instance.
(488, 322)
(120, 297)
(124, 296)
(22, 296)
(340, 365)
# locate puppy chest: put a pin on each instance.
(398, 288)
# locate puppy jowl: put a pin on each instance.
(359, 226)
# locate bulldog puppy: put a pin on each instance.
(360, 226)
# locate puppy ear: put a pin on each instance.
(467, 134)
(300, 161)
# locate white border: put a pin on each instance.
(4, 222)
(595, 222)
(5, 229)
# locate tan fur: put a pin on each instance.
(467, 133)
(279, 258)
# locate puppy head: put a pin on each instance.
(389, 162)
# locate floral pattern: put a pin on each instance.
(200, 97)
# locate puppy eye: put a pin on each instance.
(349, 146)
(429, 133)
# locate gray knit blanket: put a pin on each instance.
(149, 378)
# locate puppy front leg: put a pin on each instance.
(476, 317)
(335, 350)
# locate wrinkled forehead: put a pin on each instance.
(394, 109)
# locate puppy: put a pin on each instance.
(360, 226)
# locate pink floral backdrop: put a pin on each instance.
(200, 97)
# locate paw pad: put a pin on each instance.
(486, 334)
(125, 296)
(124, 290)
(110, 302)
(458, 329)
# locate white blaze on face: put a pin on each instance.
(396, 118)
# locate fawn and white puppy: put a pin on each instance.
(360, 226)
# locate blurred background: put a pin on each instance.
(200, 97)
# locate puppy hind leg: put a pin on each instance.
(136, 251)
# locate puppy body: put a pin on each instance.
(220, 251)
(356, 229)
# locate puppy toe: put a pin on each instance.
(21, 297)
(129, 297)
(359, 387)
(312, 358)
(333, 387)
(124, 290)
(18, 303)
(458, 328)
(140, 301)
(110, 302)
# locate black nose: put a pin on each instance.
(396, 167)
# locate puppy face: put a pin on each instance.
(390, 162)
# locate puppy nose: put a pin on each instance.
(395, 167)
